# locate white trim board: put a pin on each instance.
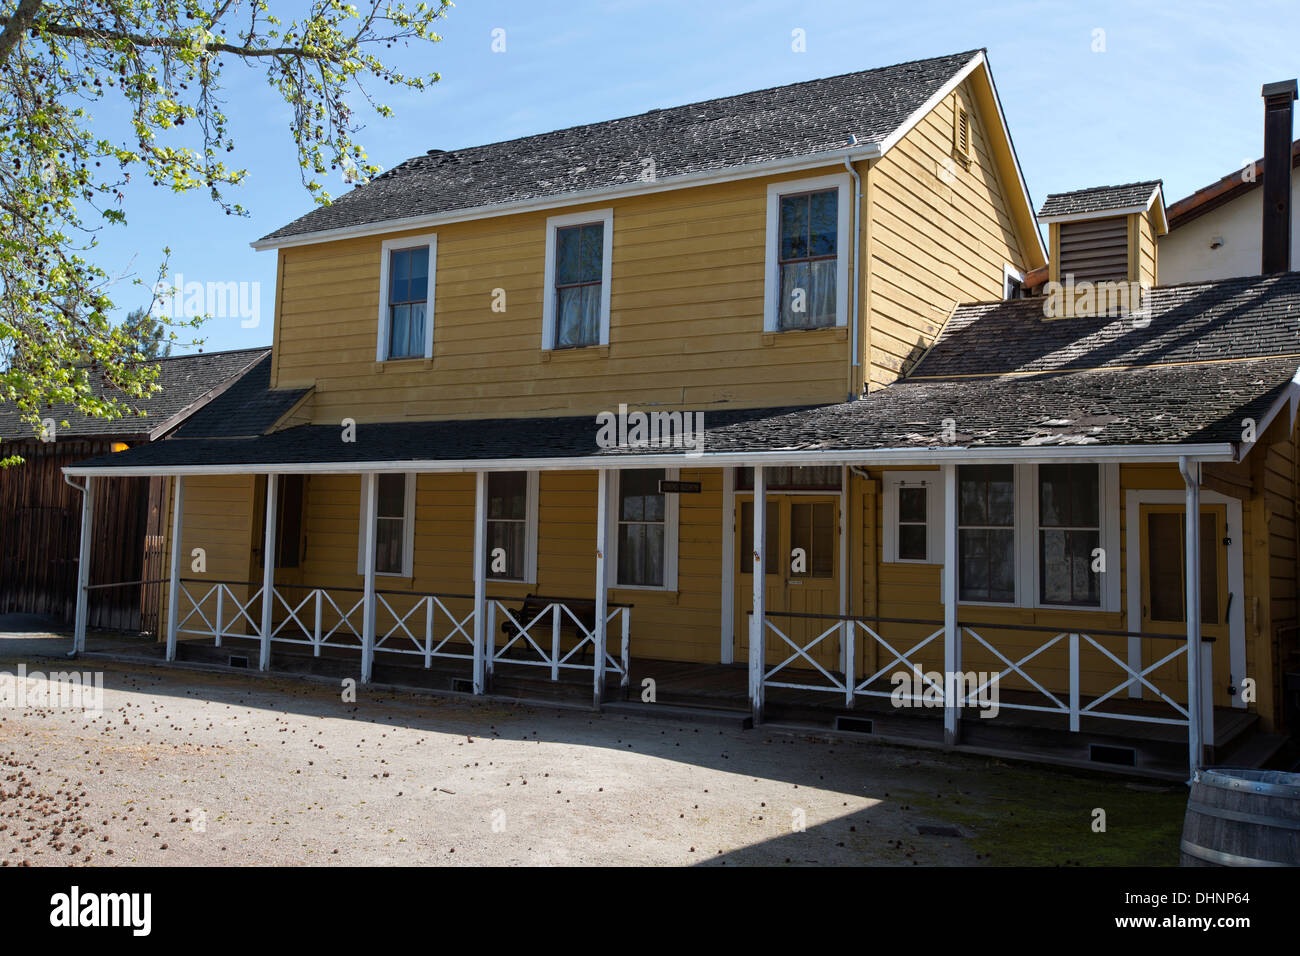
(1134, 454)
(1133, 500)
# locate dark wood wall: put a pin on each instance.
(40, 530)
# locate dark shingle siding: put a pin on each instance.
(1227, 319)
(802, 119)
(1098, 199)
(184, 379)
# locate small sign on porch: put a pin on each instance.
(678, 487)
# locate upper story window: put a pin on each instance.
(406, 298)
(578, 252)
(808, 248)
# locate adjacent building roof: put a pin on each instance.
(248, 408)
(187, 383)
(1097, 199)
(1185, 371)
(798, 120)
(1223, 190)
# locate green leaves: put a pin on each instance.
(60, 184)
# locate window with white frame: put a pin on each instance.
(913, 513)
(644, 529)
(986, 533)
(579, 249)
(407, 272)
(394, 525)
(1033, 535)
(808, 249)
(1069, 534)
(511, 526)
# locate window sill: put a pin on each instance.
(581, 351)
(403, 364)
(834, 333)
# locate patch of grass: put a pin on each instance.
(1027, 816)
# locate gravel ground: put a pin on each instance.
(184, 767)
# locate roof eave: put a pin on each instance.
(1137, 454)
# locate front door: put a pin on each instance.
(1164, 588)
(802, 565)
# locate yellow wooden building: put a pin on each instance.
(600, 405)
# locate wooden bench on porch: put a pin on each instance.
(572, 632)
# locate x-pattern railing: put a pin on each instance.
(802, 652)
(907, 657)
(537, 654)
(218, 628)
(1141, 678)
(425, 643)
(1017, 667)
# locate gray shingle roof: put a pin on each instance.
(184, 379)
(1222, 320)
(801, 119)
(1165, 405)
(1099, 199)
(247, 408)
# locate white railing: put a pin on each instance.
(800, 669)
(844, 681)
(432, 626)
(226, 611)
(522, 647)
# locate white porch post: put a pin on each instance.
(951, 632)
(1192, 513)
(83, 566)
(602, 584)
(174, 575)
(369, 488)
(480, 580)
(727, 646)
(268, 572)
(757, 625)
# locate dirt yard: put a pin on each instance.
(183, 767)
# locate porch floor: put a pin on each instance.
(1132, 747)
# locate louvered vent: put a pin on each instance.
(1095, 249)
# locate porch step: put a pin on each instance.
(737, 719)
(1254, 752)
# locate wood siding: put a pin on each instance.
(940, 233)
(686, 326)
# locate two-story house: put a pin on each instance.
(735, 404)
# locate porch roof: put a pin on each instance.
(1156, 414)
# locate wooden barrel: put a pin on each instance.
(1242, 818)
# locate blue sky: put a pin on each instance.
(1174, 95)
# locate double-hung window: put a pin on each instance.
(1069, 534)
(511, 525)
(578, 251)
(643, 526)
(394, 525)
(809, 245)
(808, 259)
(406, 299)
(986, 533)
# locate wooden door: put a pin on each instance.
(1164, 588)
(802, 569)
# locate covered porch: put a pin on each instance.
(959, 677)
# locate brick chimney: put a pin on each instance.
(1276, 247)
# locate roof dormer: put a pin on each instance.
(1105, 233)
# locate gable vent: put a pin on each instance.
(1095, 249)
